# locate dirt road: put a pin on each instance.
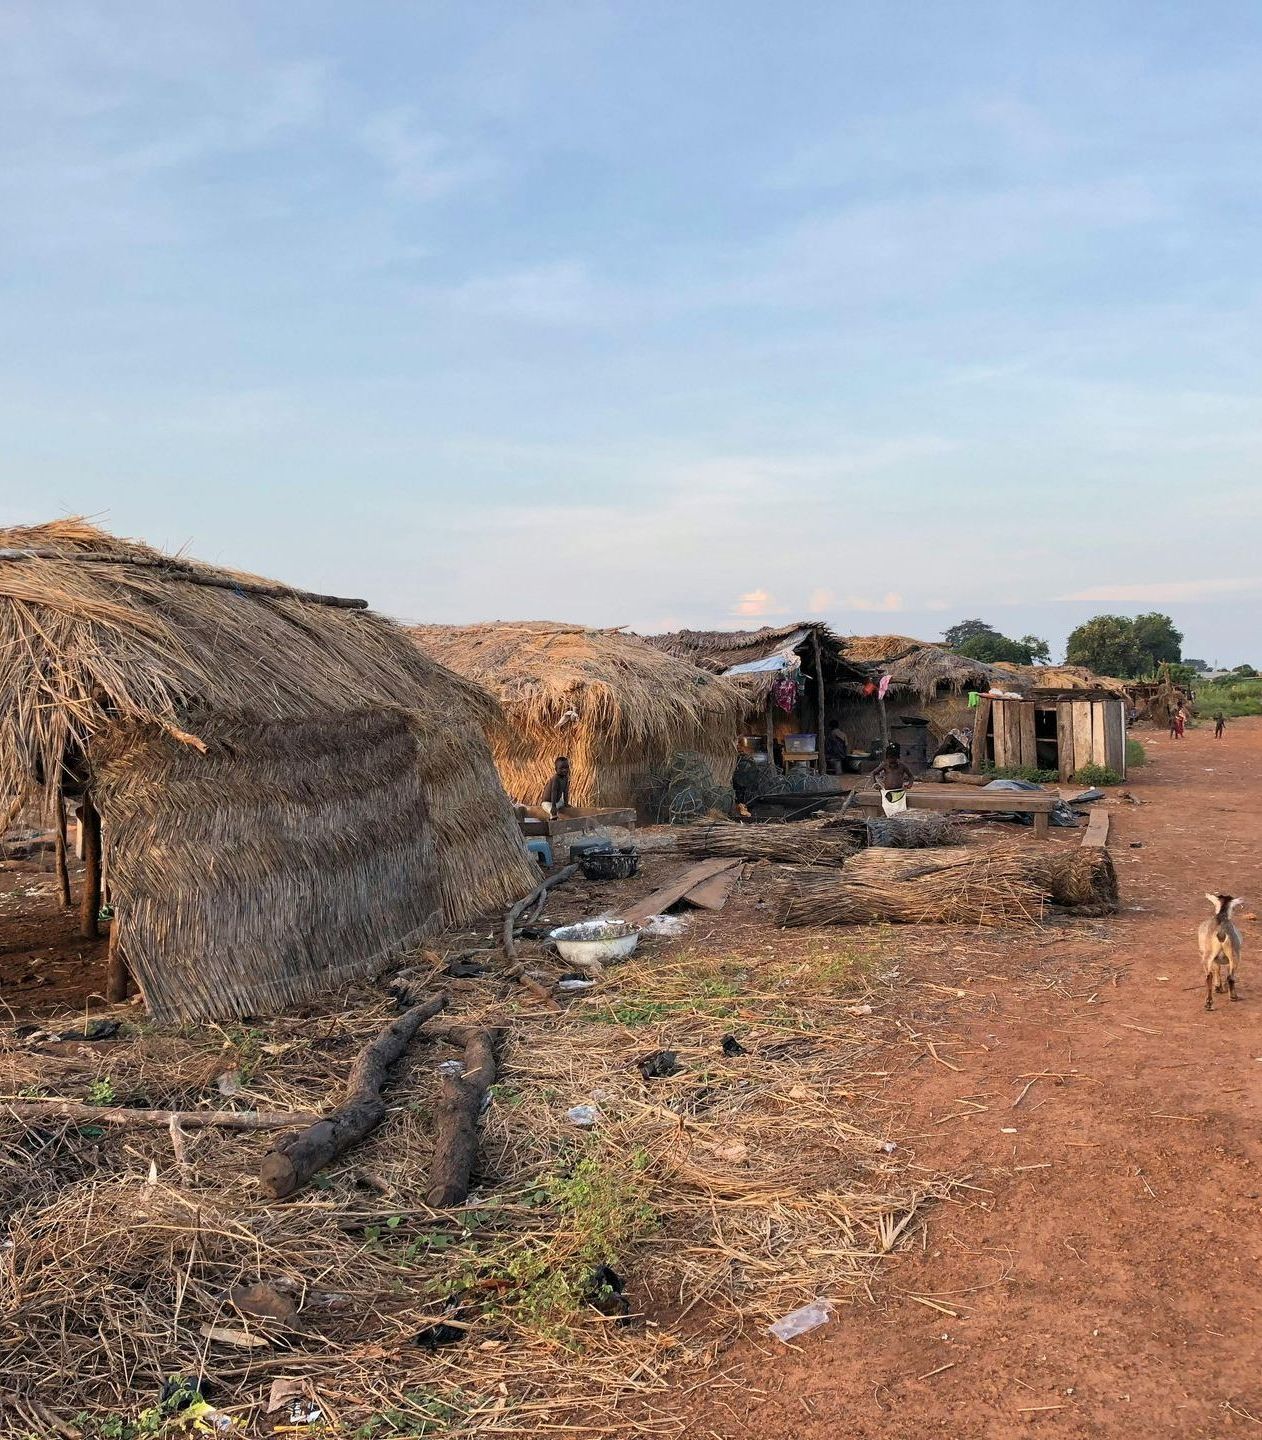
(1104, 1275)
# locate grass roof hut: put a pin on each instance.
(288, 791)
(619, 708)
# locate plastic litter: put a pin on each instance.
(732, 1046)
(584, 1116)
(659, 1064)
(803, 1320)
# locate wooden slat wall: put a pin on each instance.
(981, 726)
(1114, 734)
(1025, 720)
(1005, 738)
(1084, 750)
(1065, 738)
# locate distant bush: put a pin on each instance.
(1232, 698)
(1021, 772)
(1097, 775)
(1136, 755)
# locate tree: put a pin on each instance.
(1158, 640)
(966, 630)
(1106, 644)
(1246, 672)
(983, 642)
(1201, 665)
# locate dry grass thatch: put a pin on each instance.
(977, 887)
(1030, 679)
(289, 791)
(719, 651)
(800, 844)
(921, 669)
(616, 706)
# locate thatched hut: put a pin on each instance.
(288, 793)
(928, 689)
(619, 708)
(792, 677)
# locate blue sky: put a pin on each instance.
(650, 313)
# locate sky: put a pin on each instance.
(649, 314)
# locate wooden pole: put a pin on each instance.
(90, 900)
(63, 872)
(820, 766)
(771, 733)
(117, 975)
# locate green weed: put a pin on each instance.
(1097, 775)
(102, 1092)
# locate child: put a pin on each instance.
(1180, 722)
(893, 779)
(1220, 724)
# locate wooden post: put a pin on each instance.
(78, 835)
(820, 741)
(771, 733)
(90, 900)
(117, 975)
(63, 872)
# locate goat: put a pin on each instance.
(1220, 947)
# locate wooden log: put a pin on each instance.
(293, 1161)
(456, 1137)
(540, 890)
(90, 900)
(63, 870)
(53, 1109)
(821, 739)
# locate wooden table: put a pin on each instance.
(579, 822)
(966, 798)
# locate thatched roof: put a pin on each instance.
(274, 768)
(720, 650)
(603, 696)
(921, 668)
(1060, 678)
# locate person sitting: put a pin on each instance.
(556, 796)
(836, 748)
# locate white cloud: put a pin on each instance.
(1163, 592)
(419, 163)
(757, 604)
(890, 603)
(821, 600)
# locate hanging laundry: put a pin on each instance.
(785, 694)
(883, 687)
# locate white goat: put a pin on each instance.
(1220, 947)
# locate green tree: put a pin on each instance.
(1246, 672)
(966, 630)
(1107, 645)
(1039, 650)
(1157, 640)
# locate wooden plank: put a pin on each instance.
(1065, 739)
(1097, 831)
(966, 797)
(1003, 735)
(981, 730)
(577, 821)
(1025, 725)
(1114, 735)
(821, 743)
(1083, 751)
(712, 894)
(674, 890)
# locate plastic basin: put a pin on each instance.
(595, 942)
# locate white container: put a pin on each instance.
(595, 942)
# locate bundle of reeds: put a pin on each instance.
(987, 887)
(916, 830)
(801, 844)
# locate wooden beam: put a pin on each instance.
(820, 765)
(712, 894)
(1097, 831)
(90, 900)
(674, 890)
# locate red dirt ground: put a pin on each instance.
(1104, 1278)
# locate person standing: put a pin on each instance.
(1220, 724)
(1180, 722)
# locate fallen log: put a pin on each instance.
(53, 1109)
(294, 1160)
(464, 1085)
(537, 894)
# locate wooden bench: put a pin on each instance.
(966, 798)
(580, 822)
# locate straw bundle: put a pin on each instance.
(916, 830)
(289, 790)
(800, 844)
(617, 707)
(922, 669)
(992, 887)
